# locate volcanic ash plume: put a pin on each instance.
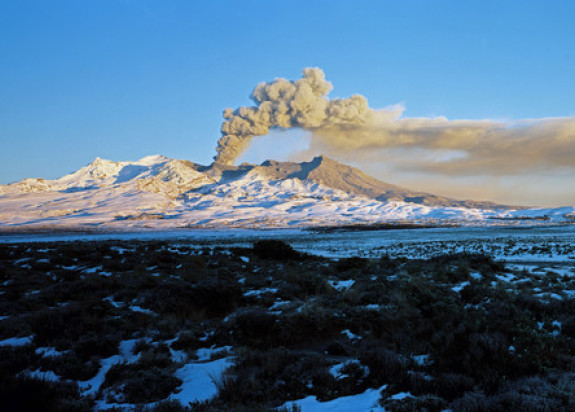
(349, 130)
(283, 103)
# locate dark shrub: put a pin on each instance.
(93, 344)
(149, 385)
(280, 374)
(511, 399)
(337, 348)
(315, 323)
(171, 406)
(453, 385)
(275, 249)
(155, 356)
(210, 297)
(306, 283)
(343, 265)
(75, 322)
(389, 264)
(193, 269)
(141, 384)
(384, 365)
(255, 327)
(186, 341)
(420, 383)
(16, 359)
(475, 261)
(69, 366)
(21, 394)
(568, 326)
(426, 403)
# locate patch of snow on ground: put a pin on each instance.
(178, 355)
(140, 309)
(17, 341)
(350, 335)
(127, 350)
(337, 369)
(48, 376)
(113, 302)
(198, 380)
(48, 352)
(546, 295)
(556, 328)
(458, 288)
(421, 360)
(205, 354)
(476, 275)
(92, 386)
(507, 277)
(366, 401)
(279, 304)
(206, 336)
(259, 292)
(341, 285)
(401, 395)
(98, 270)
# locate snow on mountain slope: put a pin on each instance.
(349, 179)
(157, 174)
(255, 201)
(160, 192)
(99, 172)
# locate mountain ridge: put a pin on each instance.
(331, 173)
(157, 191)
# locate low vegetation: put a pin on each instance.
(109, 325)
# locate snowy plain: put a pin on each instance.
(511, 244)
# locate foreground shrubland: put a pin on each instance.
(126, 325)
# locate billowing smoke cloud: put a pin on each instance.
(283, 103)
(349, 129)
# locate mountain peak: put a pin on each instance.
(152, 160)
(98, 161)
(323, 158)
(331, 173)
(324, 161)
(313, 163)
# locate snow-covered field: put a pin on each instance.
(531, 248)
(549, 244)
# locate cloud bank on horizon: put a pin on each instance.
(349, 128)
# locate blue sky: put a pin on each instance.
(127, 78)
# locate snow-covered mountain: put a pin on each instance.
(152, 174)
(160, 192)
